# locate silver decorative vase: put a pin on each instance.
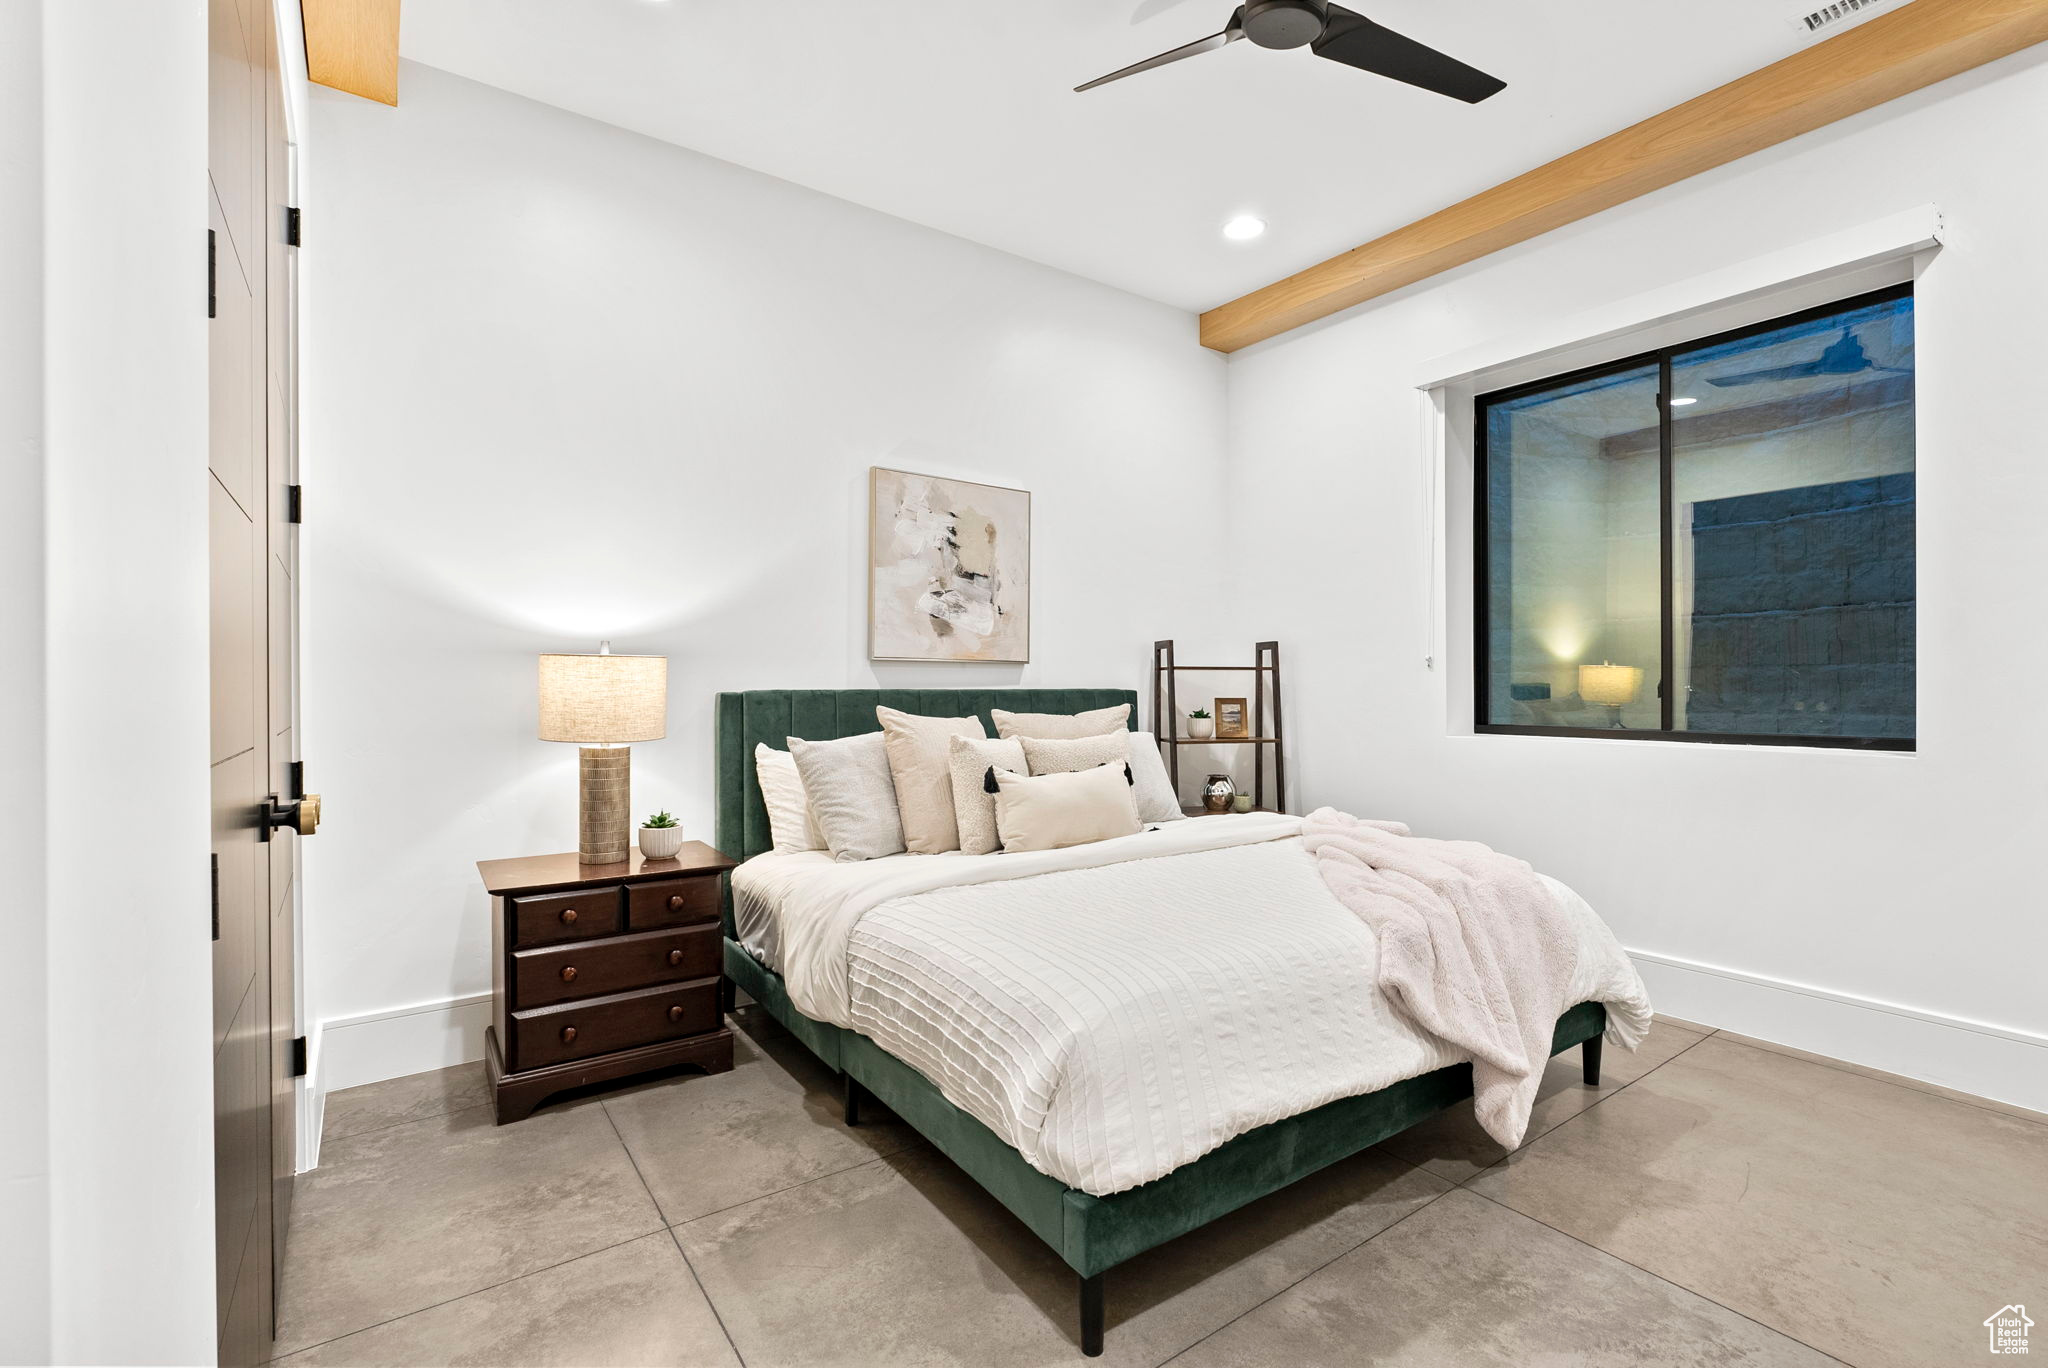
(1217, 791)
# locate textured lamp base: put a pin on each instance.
(604, 781)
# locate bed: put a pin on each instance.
(1092, 1203)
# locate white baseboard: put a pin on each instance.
(347, 1052)
(1986, 1060)
(406, 1040)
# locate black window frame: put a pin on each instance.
(1482, 597)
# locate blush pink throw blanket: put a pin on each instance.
(1472, 946)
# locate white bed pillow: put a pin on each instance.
(852, 795)
(1061, 725)
(1150, 787)
(790, 824)
(1050, 811)
(974, 807)
(920, 765)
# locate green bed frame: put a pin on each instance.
(1093, 1234)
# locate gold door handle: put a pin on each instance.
(301, 815)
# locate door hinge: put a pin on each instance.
(216, 895)
(291, 225)
(294, 503)
(298, 780)
(298, 1056)
(212, 277)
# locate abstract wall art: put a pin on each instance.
(949, 569)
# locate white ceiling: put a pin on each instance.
(959, 114)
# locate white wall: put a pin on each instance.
(118, 964)
(566, 382)
(24, 1064)
(1895, 885)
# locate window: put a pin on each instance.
(1735, 564)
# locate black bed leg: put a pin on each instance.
(852, 1099)
(1091, 1316)
(1589, 1055)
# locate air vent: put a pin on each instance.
(1827, 19)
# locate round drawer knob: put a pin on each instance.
(675, 903)
(569, 914)
(675, 957)
(675, 1014)
(568, 973)
(568, 1035)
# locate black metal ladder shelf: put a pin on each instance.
(1265, 701)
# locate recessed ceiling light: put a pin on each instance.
(1681, 402)
(1244, 228)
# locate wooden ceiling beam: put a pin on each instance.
(1881, 59)
(352, 45)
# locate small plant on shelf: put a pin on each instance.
(1200, 725)
(661, 836)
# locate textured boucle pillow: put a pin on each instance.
(1151, 789)
(1062, 725)
(969, 760)
(1051, 811)
(853, 796)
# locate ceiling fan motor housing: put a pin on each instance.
(1282, 23)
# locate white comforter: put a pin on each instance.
(1117, 1010)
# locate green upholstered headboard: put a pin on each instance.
(775, 715)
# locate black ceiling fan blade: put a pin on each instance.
(1194, 49)
(1357, 41)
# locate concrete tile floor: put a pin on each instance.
(1712, 1203)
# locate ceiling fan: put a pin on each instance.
(1844, 356)
(1336, 33)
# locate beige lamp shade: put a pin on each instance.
(1615, 686)
(603, 700)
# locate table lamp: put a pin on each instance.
(1611, 686)
(601, 703)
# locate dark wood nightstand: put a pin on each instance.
(602, 971)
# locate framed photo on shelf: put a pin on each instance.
(1231, 718)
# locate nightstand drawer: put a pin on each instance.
(562, 972)
(672, 902)
(595, 1026)
(548, 917)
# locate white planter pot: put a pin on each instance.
(1201, 728)
(660, 843)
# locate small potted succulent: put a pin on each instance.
(661, 836)
(1201, 726)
